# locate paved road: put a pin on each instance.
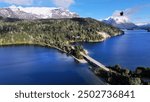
(95, 62)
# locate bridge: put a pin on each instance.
(93, 61)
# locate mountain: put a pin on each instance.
(144, 26)
(36, 12)
(121, 22)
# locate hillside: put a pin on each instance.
(54, 32)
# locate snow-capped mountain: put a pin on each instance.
(36, 12)
(121, 22)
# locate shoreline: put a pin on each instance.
(47, 46)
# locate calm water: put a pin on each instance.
(129, 50)
(39, 65)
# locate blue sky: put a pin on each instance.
(138, 10)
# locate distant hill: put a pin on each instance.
(144, 26)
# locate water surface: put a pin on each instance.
(23, 65)
(34, 65)
(129, 50)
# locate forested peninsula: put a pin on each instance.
(56, 33)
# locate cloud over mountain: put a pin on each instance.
(121, 19)
(18, 2)
(128, 13)
(63, 3)
(131, 14)
(58, 3)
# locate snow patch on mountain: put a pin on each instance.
(43, 12)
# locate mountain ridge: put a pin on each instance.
(121, 22)
(36, 12)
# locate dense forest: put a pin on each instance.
(58, 33)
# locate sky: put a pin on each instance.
(136, 10)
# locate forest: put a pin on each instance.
(58, 33)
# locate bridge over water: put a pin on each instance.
(90, 59)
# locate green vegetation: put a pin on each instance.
(77, 51)
(120, 76)
(143, 72)
(58, 33)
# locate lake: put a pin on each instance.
(33, 65)
(129, 50)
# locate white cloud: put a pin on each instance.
(63, 3)
(58, 3)
(120, 19)
(127, 14)
(18, 2)
(130, 12)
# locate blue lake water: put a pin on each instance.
(129, 50)
(35, 65)
(32, 65)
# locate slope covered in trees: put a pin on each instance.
(53, 32)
